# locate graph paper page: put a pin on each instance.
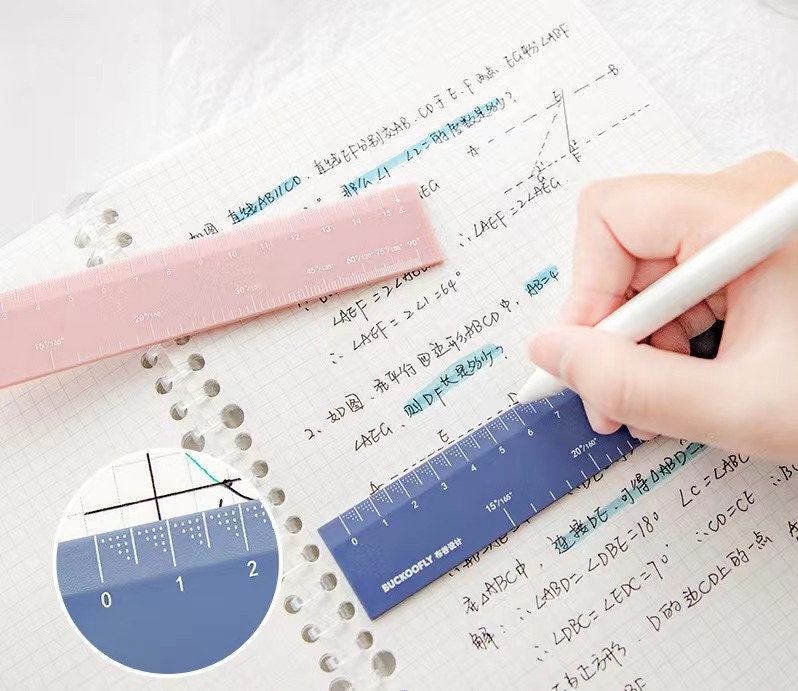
(673, 568)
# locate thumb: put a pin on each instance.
(637, 385)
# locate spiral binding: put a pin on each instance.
(104, 237)
(100, 233)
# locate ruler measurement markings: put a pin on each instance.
(106, 283)
(469, 492)
(99, 564)
(243, 528)
(205, 525)
(509, 516)
(76, 576)
(133, 543)
(171, 545)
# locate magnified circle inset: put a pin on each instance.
(167, 562)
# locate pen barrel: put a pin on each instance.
(729, 256)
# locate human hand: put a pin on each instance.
(630, 232)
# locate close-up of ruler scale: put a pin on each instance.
(434, 532)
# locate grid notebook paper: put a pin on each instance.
(674, 568)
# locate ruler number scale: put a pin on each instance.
(135, 592)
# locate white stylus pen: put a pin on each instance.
(729, 256)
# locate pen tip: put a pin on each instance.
(540, 385)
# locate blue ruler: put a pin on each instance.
(407, 534)
(176, 595)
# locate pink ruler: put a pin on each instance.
(133, 303)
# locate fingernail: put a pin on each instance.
(600, 422)
(547, 350)
(641, 434)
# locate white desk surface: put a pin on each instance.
(91, 88)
